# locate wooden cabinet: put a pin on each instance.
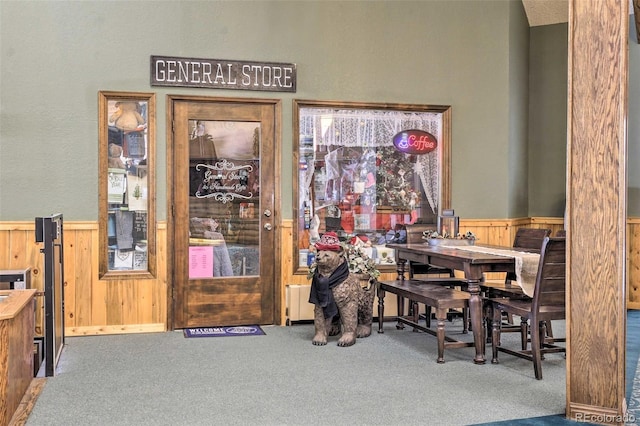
(16, 340)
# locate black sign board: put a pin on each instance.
(49, 230)
(223, 74)
(140, 226)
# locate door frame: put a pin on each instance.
(277, 203)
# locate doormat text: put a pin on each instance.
(244, 330)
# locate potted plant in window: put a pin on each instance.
(434, 238)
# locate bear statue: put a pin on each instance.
(127, 116)
(115, 160)
(342, 305)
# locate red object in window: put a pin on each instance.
(347, 221)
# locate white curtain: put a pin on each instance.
(375, 128)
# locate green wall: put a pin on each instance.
(518, 90)
(56, 56)
(548, 120)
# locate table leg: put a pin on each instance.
(475, 311)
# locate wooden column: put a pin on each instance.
(596, 195)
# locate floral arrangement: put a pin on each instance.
(358, 260)
(431, 234)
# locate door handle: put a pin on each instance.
(267, 226)
(267, 213)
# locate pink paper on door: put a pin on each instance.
(201, 262)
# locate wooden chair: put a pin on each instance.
(415, 236)
(547, 304)
(530, 239)
(526, 239)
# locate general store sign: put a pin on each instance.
(222, 74)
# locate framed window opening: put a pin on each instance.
(126, 122)
(368, 170)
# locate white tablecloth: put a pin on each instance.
(526, 264)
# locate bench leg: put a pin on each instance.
(441, 316)
(399, 325)
(465, 320)
(496, 323)
(414, 312)
(488, 319)
(380, 309)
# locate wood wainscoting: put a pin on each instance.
(94, 306)
(488, 231)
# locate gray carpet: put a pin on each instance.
(282, 379)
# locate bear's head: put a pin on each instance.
(115, 151)
(127, 116)
(127, 106)
(329, 254)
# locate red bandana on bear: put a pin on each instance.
(329, 241)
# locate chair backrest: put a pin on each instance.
(530, 239)
(550, 281)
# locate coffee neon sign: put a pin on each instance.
(415, 142)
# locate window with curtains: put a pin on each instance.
(367, 171)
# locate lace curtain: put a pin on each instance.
(374, 128)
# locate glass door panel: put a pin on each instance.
(224, 199)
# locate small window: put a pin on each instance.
(127, 185)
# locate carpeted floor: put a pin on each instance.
(633, 367)
(632, 379)
(282, 379)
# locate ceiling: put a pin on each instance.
(547, 12)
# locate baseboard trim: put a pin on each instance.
(114, 329)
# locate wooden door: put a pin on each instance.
(222, 218)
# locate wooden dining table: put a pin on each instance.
(473, 264)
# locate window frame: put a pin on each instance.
(104, 98)
(444, 157)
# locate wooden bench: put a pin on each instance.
(437, 296)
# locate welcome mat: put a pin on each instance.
(242, 330)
